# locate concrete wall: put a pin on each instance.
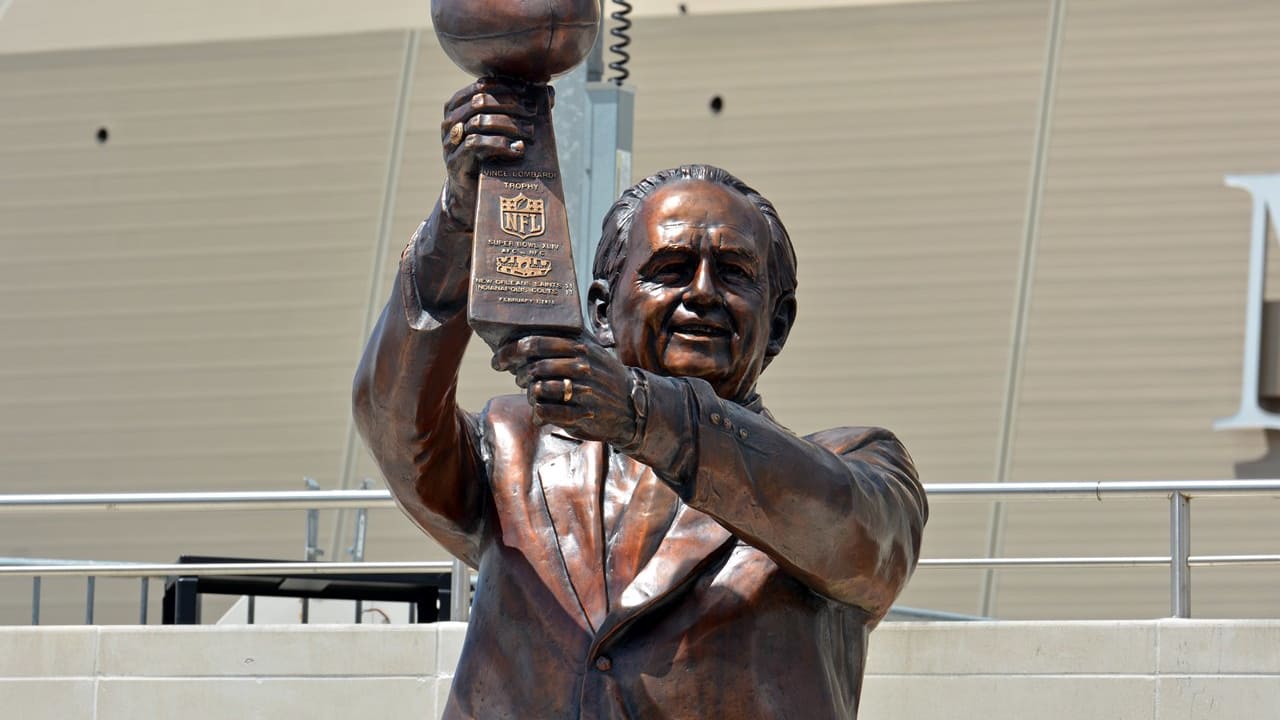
(1158, 670)
(1150, 670)
(225, 672)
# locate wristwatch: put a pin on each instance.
(639, 403)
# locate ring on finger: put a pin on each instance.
(568, 391)
(455, 134)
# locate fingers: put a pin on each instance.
(503, 125)
(485, 147)
(482, 99)
(485, 105)
(487, 120)
(557, 392)
(515, 93)
(565, 416)
(572, 368)
(525, 350)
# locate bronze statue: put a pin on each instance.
(651, 543)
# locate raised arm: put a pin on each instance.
(404, 394)
(404, 399)
(843, 510)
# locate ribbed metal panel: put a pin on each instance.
(180, 305)
(897, 145)
(1138, 301)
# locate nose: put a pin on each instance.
(702, 288)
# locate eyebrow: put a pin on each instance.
(743, 253)
(670, 249)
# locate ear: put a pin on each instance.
(598, 298)
(784, 316)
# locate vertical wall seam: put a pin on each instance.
(97, 669)
(1026, 282)
(382, 243)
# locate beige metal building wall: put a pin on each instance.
(1137, 297)
(900, 144)
(896, 142)
(180, 306)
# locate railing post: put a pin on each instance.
(362, 527)
(312, 552)
(89, 600)
(460, 592)
(35, 600)
(1180, 552)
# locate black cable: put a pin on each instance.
(620, 30)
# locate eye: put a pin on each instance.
(735, 270)
(668, 270)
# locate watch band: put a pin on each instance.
(639, 404)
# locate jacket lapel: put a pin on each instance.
(689, 543)
(570, 473)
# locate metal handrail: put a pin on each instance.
(1100, 489)
(197, 501)
(141, 570)
(381, 499)
(1180, 493)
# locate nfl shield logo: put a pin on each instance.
(523, 217)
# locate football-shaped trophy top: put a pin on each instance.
(532, 40)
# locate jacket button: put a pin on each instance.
(604, 664)
(715, 418)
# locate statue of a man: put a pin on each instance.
(651, 543)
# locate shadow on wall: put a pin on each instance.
(1267, 466)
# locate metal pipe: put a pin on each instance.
(51, 561)
(192, 501)
(460, 592)
(1232, 560)
(222, 569)
(362, 528)
(918, 615)
(138, 570)
(35, 600)
(1048, 562)
(311, 551)
(142, 602)
(1180, 550)
(381, 499)
(1098, 490)
(90, 587)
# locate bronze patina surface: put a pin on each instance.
(651, 543)
(522, 273)
(523, 277)
(532, 40)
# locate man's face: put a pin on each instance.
(693, 295)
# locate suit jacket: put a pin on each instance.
(722, 568)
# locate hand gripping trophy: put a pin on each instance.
(522, 273)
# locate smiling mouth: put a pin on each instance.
(700, 330)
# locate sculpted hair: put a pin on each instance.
(617, 226)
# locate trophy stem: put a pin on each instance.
(522, 272)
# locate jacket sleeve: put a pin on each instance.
(404, 393)
(842, 511)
